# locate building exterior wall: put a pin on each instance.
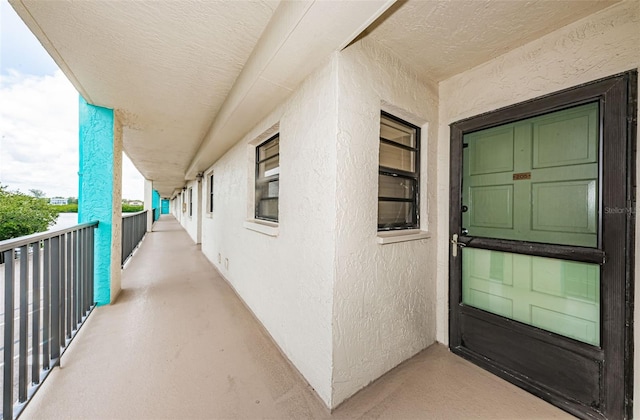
(344, 308)
(285, 274)
(601, 45)
(384, 296)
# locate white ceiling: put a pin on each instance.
(188, 78)
(166, 66)
(441, 38)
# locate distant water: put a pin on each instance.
(65, 220)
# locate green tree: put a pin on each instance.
(37, 193)
(22, 214)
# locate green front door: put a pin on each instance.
(541, 229)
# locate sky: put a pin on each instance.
(39, 118)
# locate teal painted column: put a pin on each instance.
(96, 177)
(155, 204)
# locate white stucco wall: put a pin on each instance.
(190, 222)
(384, 297)
(600, 45)
(116, 220)
(342, 307)
(286, 280)
(148, 202)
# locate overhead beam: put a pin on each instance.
(299, 37)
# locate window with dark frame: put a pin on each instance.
(190, 201)
(210, 204)
(268, 179)
(399, 174)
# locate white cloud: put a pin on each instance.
(39, 137)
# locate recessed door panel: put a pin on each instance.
(492, 151)
(565, 206)
(566, 138)
(493, 206)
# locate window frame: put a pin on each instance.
(210, 180)
(190, 201)
(259, 182)
(415, 176)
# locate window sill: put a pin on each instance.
(262, 226)
(395, 236)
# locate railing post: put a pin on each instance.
(69, 286)
(92, 259)
(46, 305)
(77, 266)
(23, 320)
(63, 289)
(55, 297)
(7, 381)
(89, 254)
(35, 328)
(92, 247)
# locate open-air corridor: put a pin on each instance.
(178, 343)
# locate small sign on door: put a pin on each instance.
(521, 176)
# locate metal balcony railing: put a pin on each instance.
(134, 227)
(48, 294)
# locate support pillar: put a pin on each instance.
(156, 205)
(100, 194)
(148, 202)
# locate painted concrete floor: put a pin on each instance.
(178, 343)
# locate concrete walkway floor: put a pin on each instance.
(178, 343)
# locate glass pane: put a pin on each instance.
(268, 209)
(397, 158)
(535, 180)
(267, 190)
(395, 214)
(394, 131)
(396, 187)
(269, 149)
(556, 295)
(269, 168)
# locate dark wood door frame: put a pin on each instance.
(617, 96)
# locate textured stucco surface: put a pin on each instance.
(96, 189)
(343, 308)
(148, 202)
(116, 212)
(384, 295)
(600, 45)
(155, 203)
(285, 280)
(440, 38)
